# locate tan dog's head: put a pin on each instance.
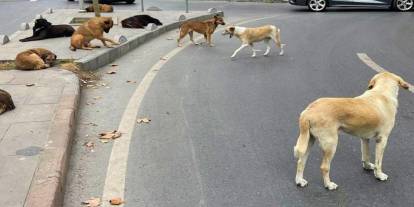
(218, 20)
(106, 23)
(229, 31)
(387, 78)
(49, 58)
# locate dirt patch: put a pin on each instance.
(63, 64)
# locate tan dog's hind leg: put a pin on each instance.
(366, 163)
(328, 141)
(302, 148)
(39, 63)
(191, 34)
(300, 181)
(379, 153)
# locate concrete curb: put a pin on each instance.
(46, 189)
(102, 58)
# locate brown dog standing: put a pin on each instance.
(206, 28)
(90, 30)
(102, 8)
(6, 102)
(35, 59)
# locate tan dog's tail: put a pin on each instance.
(304, 136)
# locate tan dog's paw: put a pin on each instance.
(368, 166)
(301, 182)
(381, 176)
(331, 186)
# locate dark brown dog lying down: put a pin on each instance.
(139, 21)
(35, 59)
(6, 102)
(105, 8)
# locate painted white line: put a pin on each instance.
(373, 65)
(117, 165)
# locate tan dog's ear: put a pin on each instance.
(232, 29)
(403, 84)
(371, 84)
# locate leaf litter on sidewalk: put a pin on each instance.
(143, 120)
(110, 135)
(116, 201)
(92, 202)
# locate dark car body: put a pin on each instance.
(111, 1)
(349, 3)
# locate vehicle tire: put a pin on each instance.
(319, 5)
(129, 1)
(403, 5)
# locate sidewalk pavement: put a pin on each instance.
(60, 46)
(34, 137)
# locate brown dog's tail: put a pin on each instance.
(304, 136)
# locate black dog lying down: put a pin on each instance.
(139, 21)
(44, 30)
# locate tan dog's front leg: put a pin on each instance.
(104, 39)
(379, 153)
(209, 40)
(366, 163)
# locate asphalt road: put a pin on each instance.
(222, 131)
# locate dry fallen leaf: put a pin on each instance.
(30, 84)
(143, 120)
(110, 135)
(164, 58)
(89, 145)
(97, 97)
(116, 201)
(170, 38)
(111, 72)
(114, 65)
(92, 202)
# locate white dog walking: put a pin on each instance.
(248, 36)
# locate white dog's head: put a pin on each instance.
(229, 31)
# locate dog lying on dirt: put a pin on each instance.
(6, 102)
(44, 30)
(248, 36)
(139, 21)
(206, 28)
(368, 116)
(90, 30)
(35, 59)
(104, 8)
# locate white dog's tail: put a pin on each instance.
(304, 136)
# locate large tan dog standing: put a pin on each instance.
(206, 28)
(370, 115)
(90, 30)
(248, 36)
